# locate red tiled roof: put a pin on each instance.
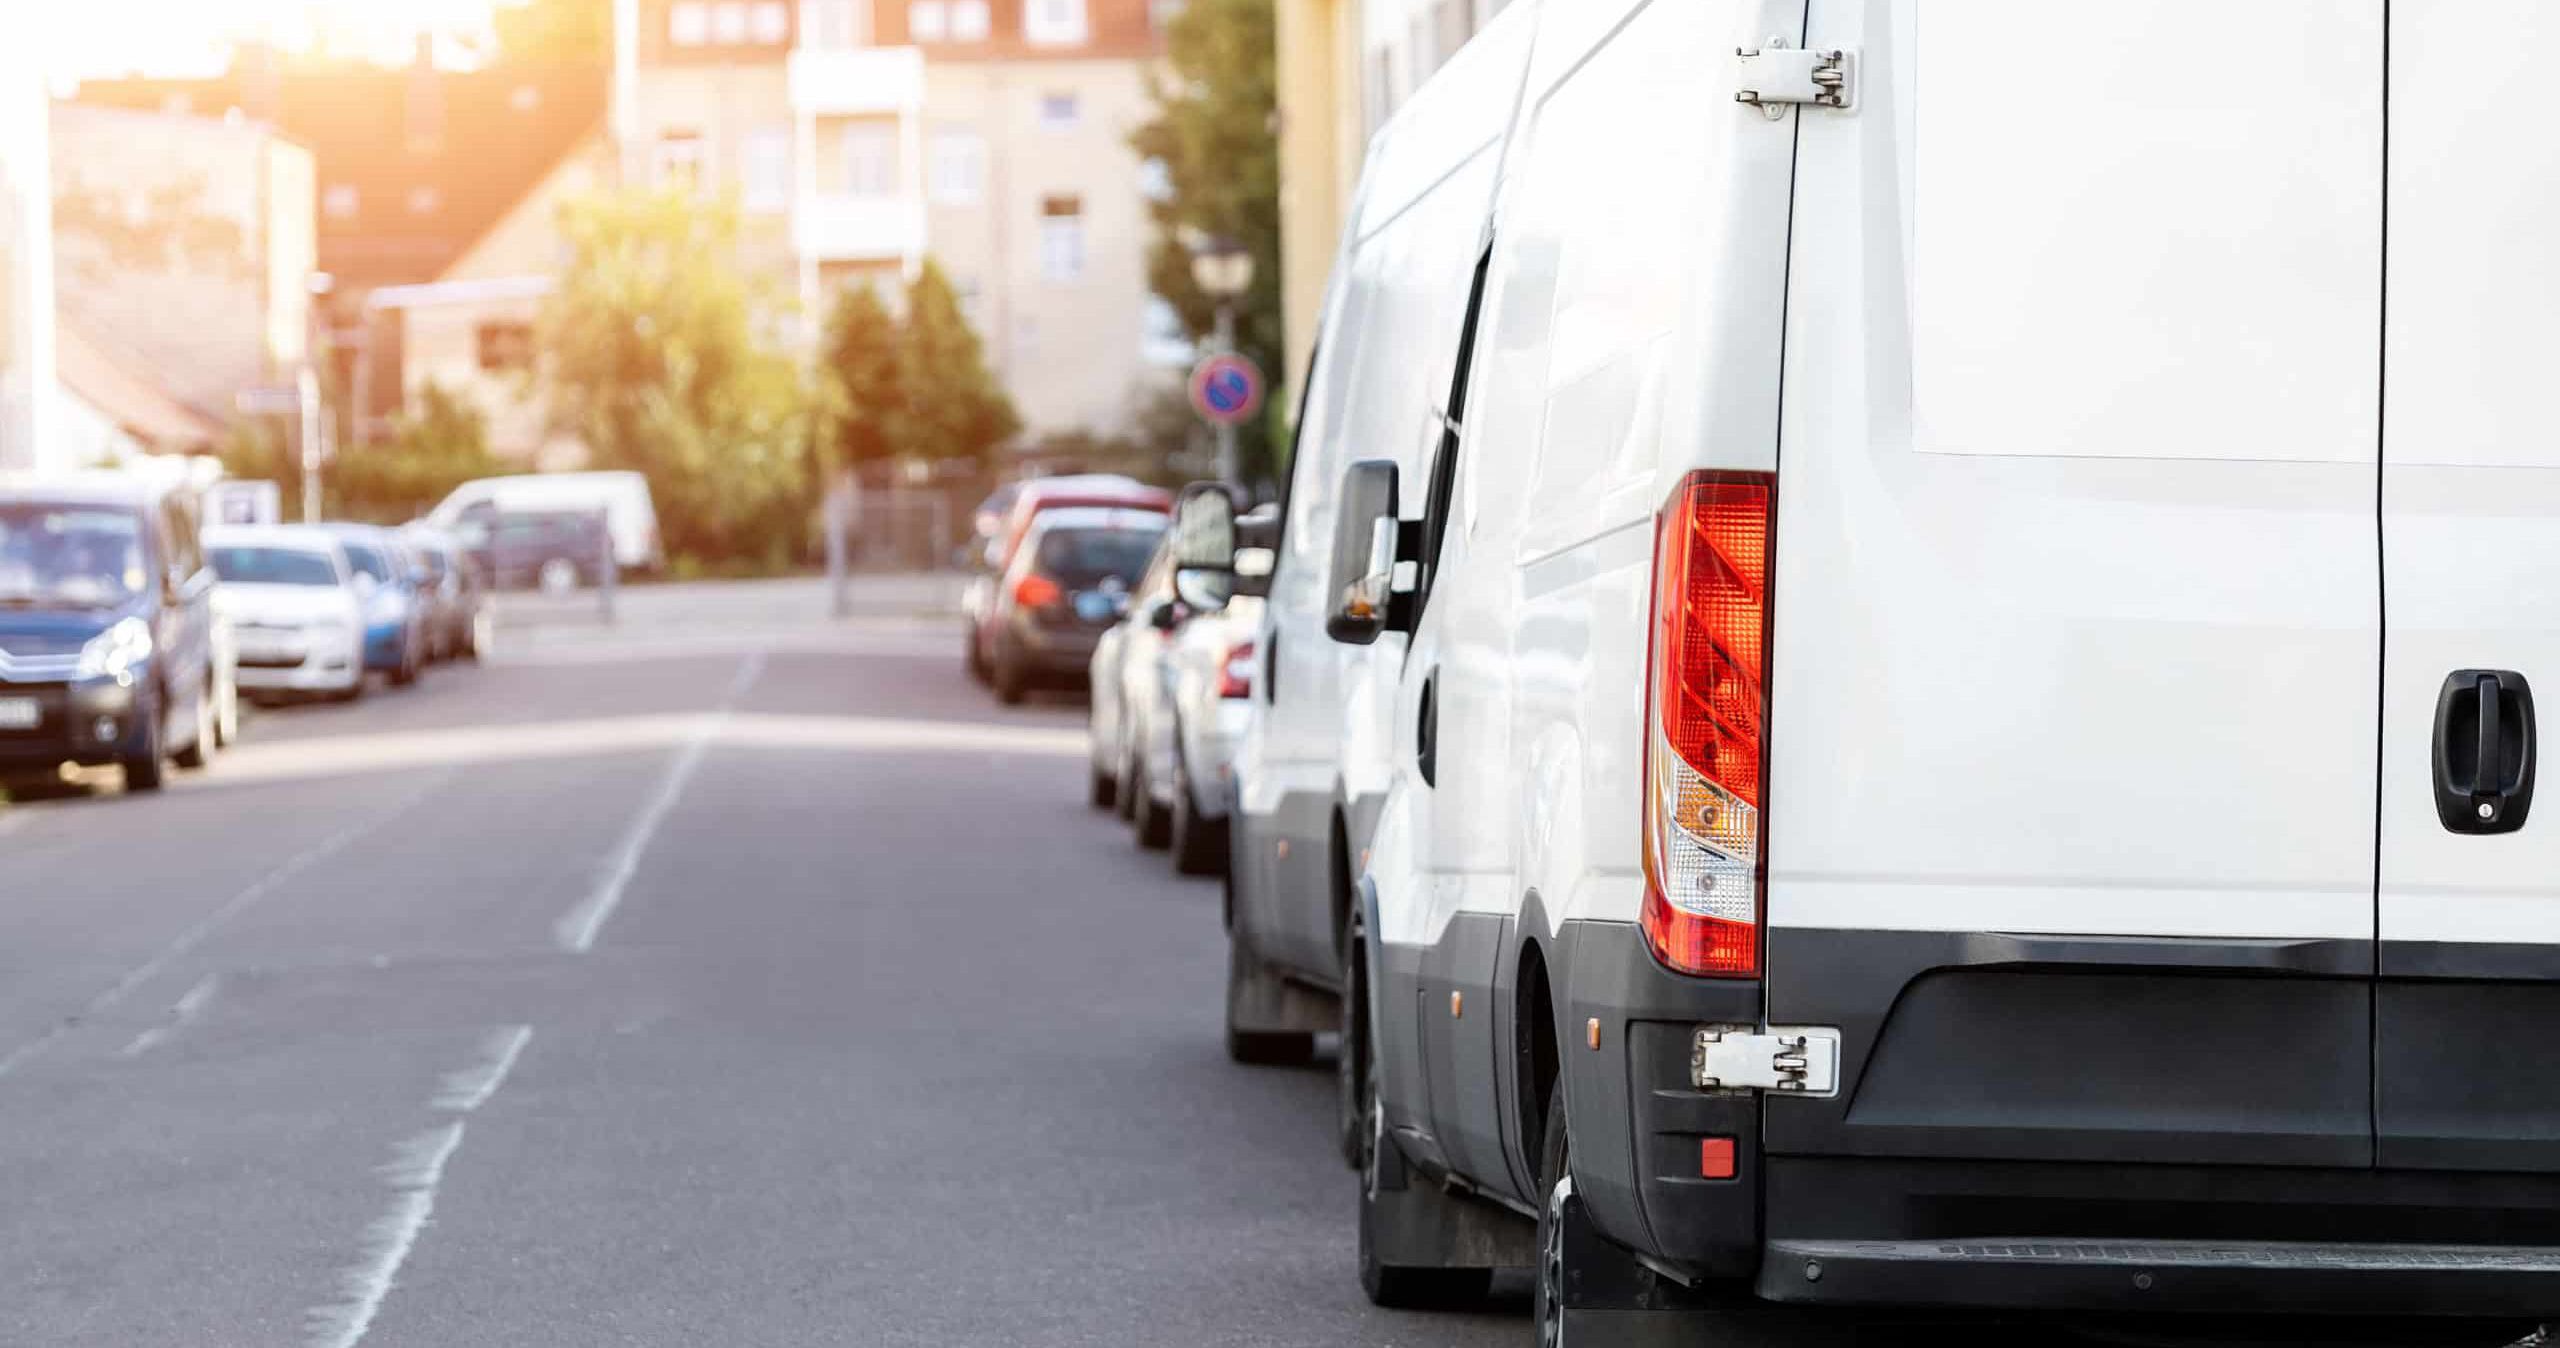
(120, 390)
(434, 157)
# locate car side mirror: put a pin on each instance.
(1165, 617)
(1368, 541)
(1204, 540)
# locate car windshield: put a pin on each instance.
(369, 560)
(248, 565)
(86, 556)
(1082, 557)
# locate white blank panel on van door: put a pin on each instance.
(2139, 228)
(2051, 688)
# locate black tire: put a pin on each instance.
(1199, 845)
(1124, 788)
(1354, 1088)
(1011, 682)
(199, 754)
(975, 659)
(1555, 1171)
(1154, 822)
(143, 771)
(1103, 791)
(1259, 1048)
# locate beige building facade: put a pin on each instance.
(860, 137)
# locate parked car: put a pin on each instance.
(474, 509)
(1123, 678)
(1065, 588)
(295, 607)
(395, 614)
(554, 551)
(460, 617)
(1023, 506)
(107, 648)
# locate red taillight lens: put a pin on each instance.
(1037, 592)
(1704, 769)
(1235, 673)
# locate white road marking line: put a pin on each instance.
(232, 907)
(470, 1088)
(187, 1009)
(416, 1168)
(576, 930)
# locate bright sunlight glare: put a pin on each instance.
(192, 37)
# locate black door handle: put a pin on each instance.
(2484, 751)
(1426, 730)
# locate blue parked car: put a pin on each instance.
(393, 585)
(107, 649)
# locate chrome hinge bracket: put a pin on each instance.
(1790, 1060)
(1778, 73)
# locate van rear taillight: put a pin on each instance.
(1705, 737)
(1235, 673)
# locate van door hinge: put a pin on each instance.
(1779, 73)
(1788, 1059)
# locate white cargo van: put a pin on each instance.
(1962, 709)
(1311, 769)
(631, 514)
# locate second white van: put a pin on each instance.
(631, 514)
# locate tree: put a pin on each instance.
(860, 359)
(444, 444)
(954, 409)
(1212, 134)
(570, 31)
(649, 351)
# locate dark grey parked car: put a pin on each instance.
(551, 550)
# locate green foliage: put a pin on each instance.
(1212, 132)
(859, 371)
(443, 445)
(915, 387)
(955, 410)
(650, 355)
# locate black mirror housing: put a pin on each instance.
(1165, 617)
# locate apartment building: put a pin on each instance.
(859, 137)
(1343, 68)
(26, 258)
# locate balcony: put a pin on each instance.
(858, 229)
(854, 81)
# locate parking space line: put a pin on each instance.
(232, 907)
(576, 930)
(186, 1010)
(470, 1088)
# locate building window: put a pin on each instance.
(341, 201)
(505, 347)
(870, 160)
(680, 159)
(1053, 23)
(729, 23)
(959, 168)
(766, 167)
(1155, 180)
(771, 24)
(1162, 340)
(835, 25)
(425, 200)
(689, 23)
(1062, 238)
(928, 21)
(1058, 112)
(973, 302)
(969, 20)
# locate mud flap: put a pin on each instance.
(1415, 1222)
(1260, 1001)
(1608, 1296)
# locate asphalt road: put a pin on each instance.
(755, 986)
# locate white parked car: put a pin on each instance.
(296, 614)
(471, 511)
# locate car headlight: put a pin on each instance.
(113, 653)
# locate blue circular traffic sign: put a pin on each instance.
(1227, 389)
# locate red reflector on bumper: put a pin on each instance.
(1715, 1158)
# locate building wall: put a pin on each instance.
(187, 242)
(26, 259)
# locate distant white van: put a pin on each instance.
(631, 514)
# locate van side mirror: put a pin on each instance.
(1204, 541)
(1165, 617)
(1368, 541)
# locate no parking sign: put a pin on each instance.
(1227, 389)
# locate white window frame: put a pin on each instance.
(1062, 242)
(689, 23)
(970, 21)
(769, 23)
(958, 167)
(928, 21)
(731, 22)
(834, 25)
(1055, 23)
(869, 155)
(764, 169)
(679, 153)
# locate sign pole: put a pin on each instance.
(1227, 470)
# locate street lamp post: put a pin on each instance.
(1223, 270)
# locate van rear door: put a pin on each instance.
(2076, 647)
(2469, 901)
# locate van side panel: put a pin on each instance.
(2078, 610)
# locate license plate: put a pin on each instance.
(20, 713)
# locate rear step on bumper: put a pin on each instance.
(2227, 1276)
